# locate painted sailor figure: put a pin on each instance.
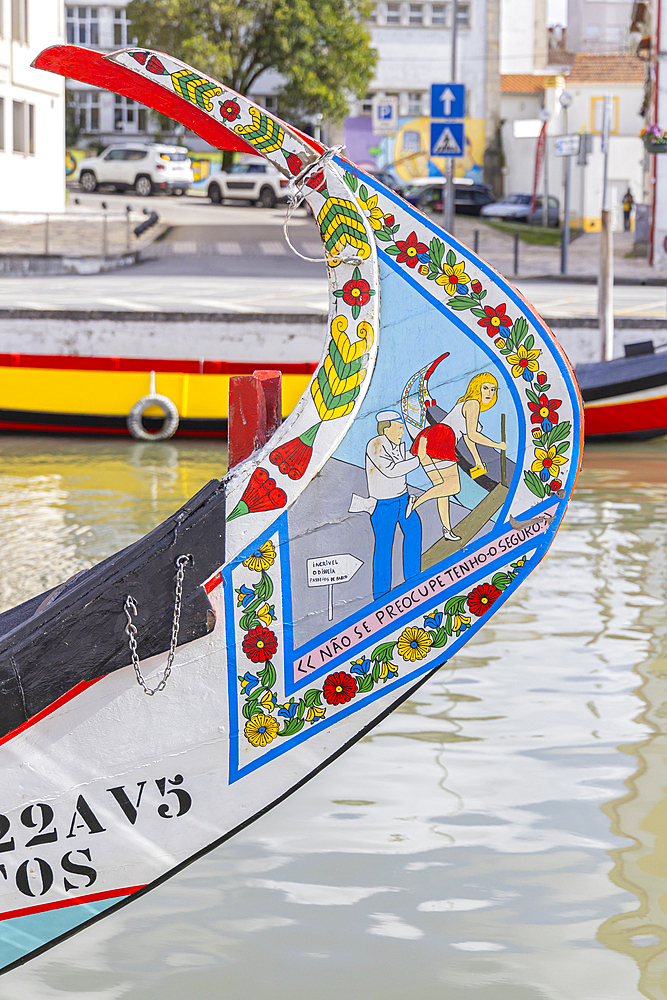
(387, 465)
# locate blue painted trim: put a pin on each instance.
(314, 728)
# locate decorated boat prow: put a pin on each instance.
(156, 704)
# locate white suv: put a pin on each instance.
(147, 169)
(252, 179)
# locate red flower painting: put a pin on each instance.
(293, 162)
(555, 485)
(410, 250)
(339, 688)
(476, 287)
(494, 319)
(261, 493)
(230, 110)
(389, 220)
(544, 412)
(293, 457)
(152, 63)
(356, 292)
(481, 598)
(316, 181)
(260, 644)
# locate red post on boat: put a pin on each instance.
(255, 412)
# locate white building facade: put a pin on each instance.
(32, 109)
(598, 25)
(591, 77)
(414, 46)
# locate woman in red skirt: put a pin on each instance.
(435, 449)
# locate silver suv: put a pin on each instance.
(147, 169)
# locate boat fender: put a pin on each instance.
(168, 429)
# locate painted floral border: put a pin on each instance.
(435, 262)
(267, 718)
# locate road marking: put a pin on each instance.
(272, 248)
(228, 249)
(184, 247)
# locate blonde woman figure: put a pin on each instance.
(435, 447)
(463, 418)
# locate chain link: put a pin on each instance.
(130, 609)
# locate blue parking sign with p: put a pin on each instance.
(447, 139)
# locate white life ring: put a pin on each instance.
(169, 427)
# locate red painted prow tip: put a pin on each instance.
(89, 66)
(255, 412)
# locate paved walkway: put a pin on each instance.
(537, 261)
(134, 291)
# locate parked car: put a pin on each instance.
(252, 179)
(469, 198)
(146, 168)
(553, 213)
(516, 208)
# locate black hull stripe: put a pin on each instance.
(85, 423)
(622, 388)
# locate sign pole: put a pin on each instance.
(448, 203)
(606, 278)
(565, 237)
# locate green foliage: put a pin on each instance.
(535, 484)
(320, 47)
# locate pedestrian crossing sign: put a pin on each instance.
(447, 139)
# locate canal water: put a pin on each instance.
(501, 836)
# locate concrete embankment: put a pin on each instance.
(260, 338)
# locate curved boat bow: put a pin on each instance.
(329, 575)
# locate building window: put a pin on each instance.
(87, 109)
(463, 15)
(2, 123)
(393, 13)
(373, 16)
(120, 25)
(416, 13)
(82, 25)
(414, 104)
(367, 105)
(592, 32)
(20, 21)
(438, 15)
(24, 127)
(128, 116)
(269, 102)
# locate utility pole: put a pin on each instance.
(606, 276)
(449, 186)
(565, 102)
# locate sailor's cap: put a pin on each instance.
(389, 415)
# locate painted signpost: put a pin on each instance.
(433, 454)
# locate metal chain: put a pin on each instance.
(130, 609)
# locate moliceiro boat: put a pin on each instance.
(626, 397)
(149, 398)
(154, 705)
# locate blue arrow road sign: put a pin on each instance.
(448, 100)
(447, 139)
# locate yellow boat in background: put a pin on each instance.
(94, 395)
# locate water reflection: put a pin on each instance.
(67, 503)
(501, 836)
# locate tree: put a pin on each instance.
(321, 48)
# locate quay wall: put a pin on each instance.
(247, 337)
